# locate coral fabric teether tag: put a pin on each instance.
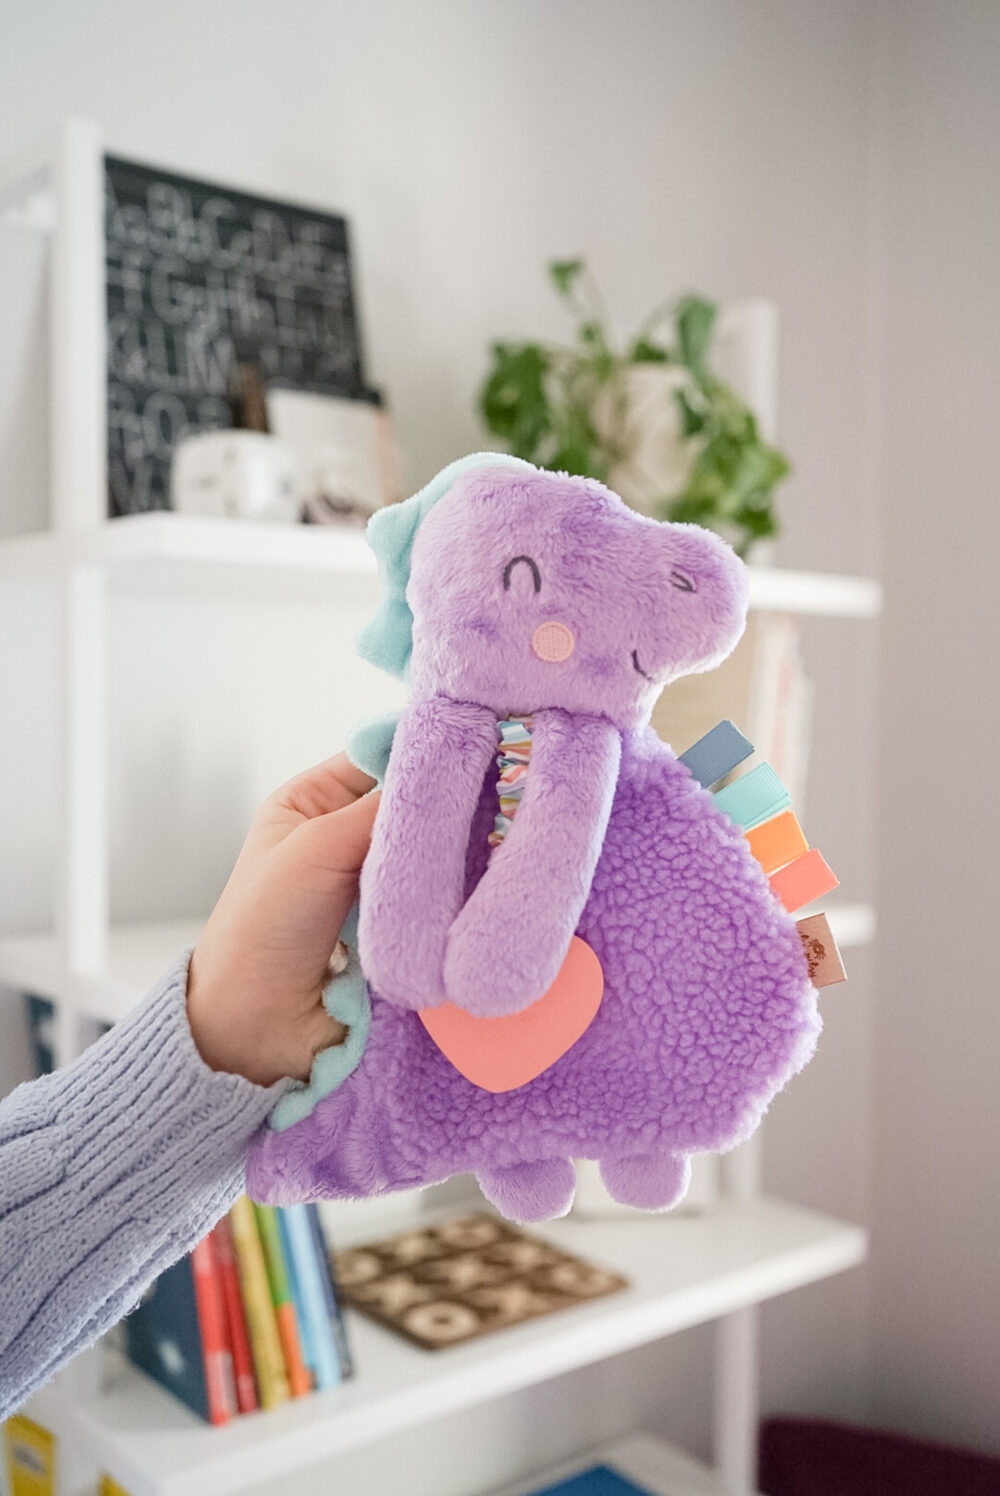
(803, 880)
(500, 1054)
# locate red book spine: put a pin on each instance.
(236, 1317)
(218, 1360)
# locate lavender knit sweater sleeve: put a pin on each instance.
(110, 1170)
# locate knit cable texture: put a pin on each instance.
(109, 1171)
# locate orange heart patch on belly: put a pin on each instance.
(500, 1054)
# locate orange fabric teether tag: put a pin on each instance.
(777, 842)
(500, 1054)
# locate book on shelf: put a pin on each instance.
(265, 1342)
(163, 1337)
(40, 1018)
(250, 1318)
(331, 1291)
(306, 1335)
(599, 1480)
(213, 1328)
(30, 1458)
(762, 687)
(311, 1271)
(282, 1302)
(236, 1317)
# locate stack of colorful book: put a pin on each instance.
(250, 1319)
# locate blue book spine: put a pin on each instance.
(599, 1480)
(301, 1317)
(309, 1272)
(333, 1307)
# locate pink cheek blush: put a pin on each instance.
(553, 642)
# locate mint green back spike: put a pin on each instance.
(753, 798)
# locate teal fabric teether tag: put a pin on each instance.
(755, 797)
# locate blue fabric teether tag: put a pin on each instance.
(717, 753)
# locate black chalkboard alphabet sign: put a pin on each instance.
(199, 277)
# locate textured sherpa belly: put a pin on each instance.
(707, 1011)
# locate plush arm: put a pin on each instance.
(413, 879)
(508, 943)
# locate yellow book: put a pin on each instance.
(109, 1487)
(30, 1452)
(265, 1343)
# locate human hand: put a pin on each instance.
(258, 971)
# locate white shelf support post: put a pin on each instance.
(78, 464)
(736, 1394)
(736, 1402)
(78, 379)
(82, 907)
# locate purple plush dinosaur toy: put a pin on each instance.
(517, 593)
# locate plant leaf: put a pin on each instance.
(692, 421)
(541, 400)
(645, 351)
(564, 274)
(695, 320)
(513, 399)
(688, 510)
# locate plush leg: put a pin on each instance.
(647, 1181)
(531, 1192)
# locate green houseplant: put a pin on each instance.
(571, 408)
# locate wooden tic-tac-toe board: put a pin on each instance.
(445, 1284)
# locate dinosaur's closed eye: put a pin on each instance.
(682, 582)
(522, 561)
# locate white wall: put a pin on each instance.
(698, 143)
(937, 1217)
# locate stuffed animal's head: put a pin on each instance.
(521, 589)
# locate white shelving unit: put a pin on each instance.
(699, 1269)
(683, 1271)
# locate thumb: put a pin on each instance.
(313, 874)
(327, 851)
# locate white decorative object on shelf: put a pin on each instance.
(240, 474)
(343, 447)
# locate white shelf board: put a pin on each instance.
(682, 1272)
(162, 540)
(658, 1467)
(177, 549)
(853, 925)
(819, 593)
(140, 953)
